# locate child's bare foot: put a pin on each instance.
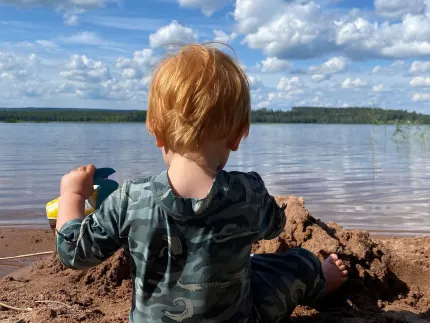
(335, 273)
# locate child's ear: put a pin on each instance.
(159, 142)
(234, 143)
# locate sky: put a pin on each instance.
(100, 53)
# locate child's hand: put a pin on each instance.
(79, 182)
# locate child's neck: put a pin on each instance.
(191, 177)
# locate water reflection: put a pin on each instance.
(352, 174)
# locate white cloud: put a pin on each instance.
(82, 69)
(34, 60)
(33, 90)
(46, 43)
(127, 23)
(410, 37)
(286, 84)
(13, 67)
(15, 74)
(139, 65)
(131, 73)
(85, 38)
(399, 8)
(128, 90)
(59, 4)
(255, 81)
(395, 68)
(70, 8)
(223, 37)
(208, 7)
(318, 78)
(173, 33)
(251, 14)
(380, 88)
(8, 61)
(301, 30)
(281, 29)
(85, 78)
(144, 59)
(349, 83)
(71, 20)
(419, 67)
(418, 97)
(420, 81)
(334, 65)
(274, 65)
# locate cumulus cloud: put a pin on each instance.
(420, 81)
(121, 90)
(350, 83)
(208, 7)
(286, 84)
(334, 65)
(82, 69)
(274, 65)
(137, 66)
(221, 36)
(7, 61)
(288, 89)
(380, 88)
(410, 37)
(419, 97)
(399, 8)
(172, 33)
(419, 67)
(86, 78)
(301, 30)
(281, 29)
(13, 67)
(255, 81)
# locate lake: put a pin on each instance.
(356, 175)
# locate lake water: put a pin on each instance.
(356, 175)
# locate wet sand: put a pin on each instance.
(15, 241)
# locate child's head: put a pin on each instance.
(198, 96)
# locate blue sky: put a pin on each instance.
(99, 53)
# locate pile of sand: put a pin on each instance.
(389, 279)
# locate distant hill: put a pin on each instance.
(352, 115)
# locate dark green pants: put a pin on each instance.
(280, 282)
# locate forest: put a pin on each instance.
(351, 115)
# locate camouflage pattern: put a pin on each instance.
(191, 258)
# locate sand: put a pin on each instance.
(389, 277)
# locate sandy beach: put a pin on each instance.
(20, 241)
(389, 276)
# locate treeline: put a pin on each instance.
(70, 115)
(353, 115)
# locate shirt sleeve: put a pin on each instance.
(272, 216)
(83, 244)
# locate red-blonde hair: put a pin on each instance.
(198, 95)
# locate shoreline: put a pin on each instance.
(22, 239)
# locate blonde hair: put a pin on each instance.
(198, 95)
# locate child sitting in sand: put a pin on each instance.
(189, 230)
